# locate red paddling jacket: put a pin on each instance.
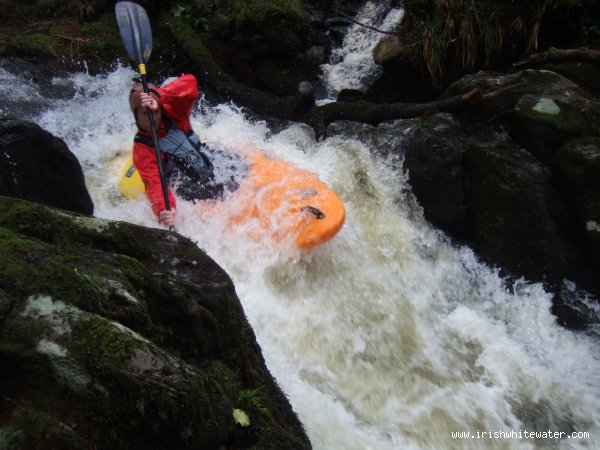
(177, 100)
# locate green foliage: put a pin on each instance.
(591, 32)
(226, 16)
(102, 36)
(78, 9)
(34, 44)
(451, 37)
(253, 398)
(95, 287)
(196, 13)
(240, 417)
(9, 438)
(249, 399)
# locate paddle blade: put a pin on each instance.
(135, 30)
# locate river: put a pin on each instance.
(386, 337)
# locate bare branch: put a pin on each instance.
(347, 17)
(554, 55)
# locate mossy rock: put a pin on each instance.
(110, 343)
(585, 74)
(542, 123)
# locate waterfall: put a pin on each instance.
(386, 337)
(351, 65)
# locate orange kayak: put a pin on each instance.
(289, 203)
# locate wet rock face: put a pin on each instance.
(532, 218)
(482, 188)
(39, 167)
(433, 155)
(578, 172)
(514, 212)
(522, 187)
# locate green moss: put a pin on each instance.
(45, 431)
(568, 120)
(19, 337)
(38, 221)
(424, 123)
(188, 403)
(172, 412)
(228, 17)
(10, 438)
(34, 44)
(585, 74)
(17, 254)
(30, 266)
(101, 347)
(101, 37)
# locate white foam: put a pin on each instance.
(385, 337)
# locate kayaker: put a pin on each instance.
(183, 156)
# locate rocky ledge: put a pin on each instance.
(106, 342)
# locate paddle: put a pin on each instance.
(137, 37)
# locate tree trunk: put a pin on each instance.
(555, 55)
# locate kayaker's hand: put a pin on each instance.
(167, 218)
(148, 101)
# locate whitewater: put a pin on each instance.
(386, 337)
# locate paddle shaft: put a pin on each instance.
(137, 37)
(163, 181)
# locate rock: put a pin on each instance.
(314, 55)
(578, 173)
(433, 155)
(485, 190)
(107, 342)
(387, 49)
(482, 188)
(542, 123)
(557, 122)
(41, 78)
(305, 88)
(582, 73)
(39, 167)
(542, 110)
(350, 95)
(512, 209)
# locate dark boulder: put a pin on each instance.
(515, 215)
(433, 155)
(541, 110)
(483, 189)
(529, 219)
(39, 167)
(108, 342)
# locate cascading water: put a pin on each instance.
(386, 337)
(351, 66)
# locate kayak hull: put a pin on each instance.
(289, 203)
